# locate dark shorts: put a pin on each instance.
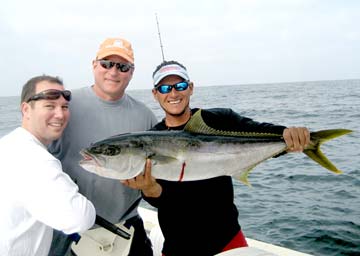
(237, 242)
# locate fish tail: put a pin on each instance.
(318, 138)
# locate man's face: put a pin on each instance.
(46, 119)
(175, 102)
(110, 84)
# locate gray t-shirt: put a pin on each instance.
(93, 119)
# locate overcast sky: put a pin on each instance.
(220, 42)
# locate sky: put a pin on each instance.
(220, 42)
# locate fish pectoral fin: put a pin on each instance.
(162, 159)
(243, 176)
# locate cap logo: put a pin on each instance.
(169, 68)
(117, 44)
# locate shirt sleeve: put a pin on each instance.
(227, 119)
(52, 197)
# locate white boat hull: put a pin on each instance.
(256, 248)
(100, 242)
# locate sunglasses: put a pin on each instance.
(51, 94)
(166, 88)
(122, 67)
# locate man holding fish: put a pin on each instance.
(36, 195)
(199, 217)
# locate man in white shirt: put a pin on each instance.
(36, 195)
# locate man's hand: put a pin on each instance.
(296, 138)
(145, 182)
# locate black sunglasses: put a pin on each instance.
(166, 88)
(122, 67)
(50, 94)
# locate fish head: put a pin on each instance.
(114, 161)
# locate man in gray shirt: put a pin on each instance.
(99, 111)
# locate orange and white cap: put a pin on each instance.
(116, 46)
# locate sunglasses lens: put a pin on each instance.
(67, 95)
(182, 86)
(51, 95)
(106, 64)
(122, 67)
(164, 88)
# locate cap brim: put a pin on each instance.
(117, 53)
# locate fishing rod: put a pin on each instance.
(75, 237)
(161, 46)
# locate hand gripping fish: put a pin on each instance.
(195, 153)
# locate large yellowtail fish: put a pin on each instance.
(198, 152)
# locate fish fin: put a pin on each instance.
(314, 152)
(243, 176)
(196, 124)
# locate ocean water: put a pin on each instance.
(293, 202)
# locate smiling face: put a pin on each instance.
(175, 103)
(46, 119)
(110, 84)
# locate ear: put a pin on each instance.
(25, 109)
(154, 92)
(94, 64)
(132, 72)
(191, 87)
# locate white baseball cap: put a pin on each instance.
(168, 70)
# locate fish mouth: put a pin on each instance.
(87, 157)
